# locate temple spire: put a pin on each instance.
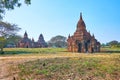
(81, 25)
(41, 36)
(25, 34)
(93, 36)
(69, 36)
(81, 16)
(32, 39)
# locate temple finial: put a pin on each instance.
(32, 39)
(25, 34)
(81, 15)
(69, 36)
(93, 36)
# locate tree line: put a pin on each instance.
(112, 44)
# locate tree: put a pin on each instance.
(57, 41)
(113, 43)
(2, 43)
(12, 41)
(6, 30)
(103, 45)
(10, 5)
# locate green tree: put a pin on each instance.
(57, 41)
(103, 45)
(10, 5)
(113, 43)
(6, 30)
(12, 40)
(2, 43)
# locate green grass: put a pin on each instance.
(11, 51)
(16, 51)
(110, 50)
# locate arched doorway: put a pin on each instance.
(79, 47)
(92, 50)
(86, 47)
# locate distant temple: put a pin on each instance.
(25, 42)
(82, 41)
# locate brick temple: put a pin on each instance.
(82, 41)
(26, 42)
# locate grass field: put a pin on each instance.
(12, 51)
(58, 64)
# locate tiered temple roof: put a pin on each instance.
(82, 41)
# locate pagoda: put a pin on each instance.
(25, 42)
(82, 41)
(41, 42)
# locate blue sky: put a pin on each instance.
(60, 17)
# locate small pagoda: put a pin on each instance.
(26, 42)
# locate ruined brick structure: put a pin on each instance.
(25, 42)
(82, 41)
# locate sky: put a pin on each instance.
(60, 17)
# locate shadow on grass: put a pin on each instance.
(16, 52)
(109, 51)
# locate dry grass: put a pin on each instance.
(60, 65)
(72, 68)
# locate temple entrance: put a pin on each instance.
(86, 47)
(79, 47)
(92, 50)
